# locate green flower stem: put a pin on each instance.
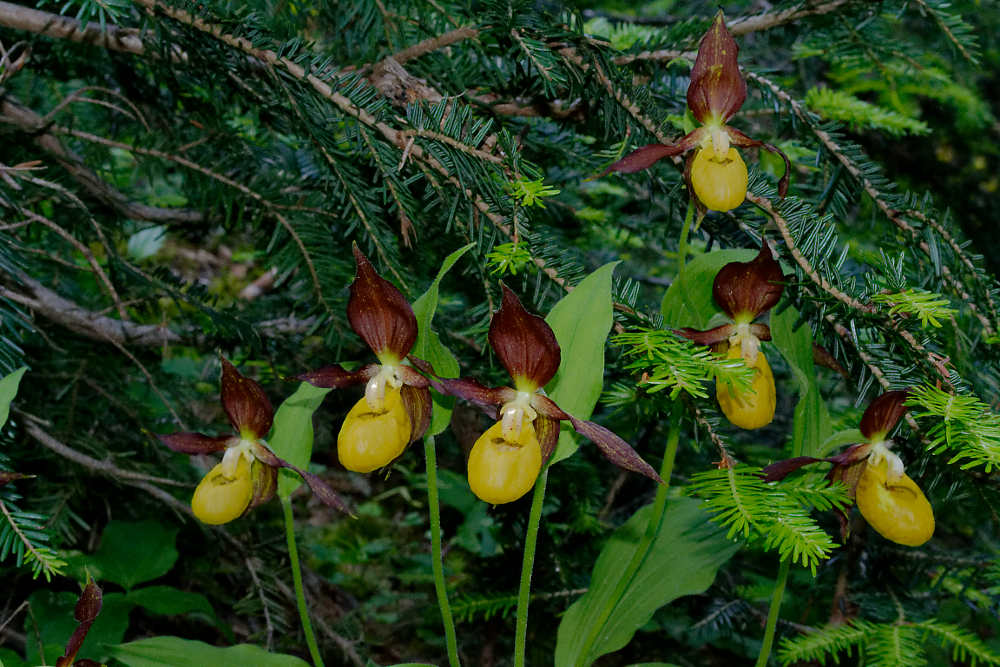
(437, 563)
(772, 614)
(682, 243)
(655, 518)
(524, 591)
(300, 597)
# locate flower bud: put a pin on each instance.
(898, 510)
(220, 498)
(501, 470)
(370, 439)
(719, 183)
(749, 409)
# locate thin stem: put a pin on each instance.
(300, 597)
(655, 519)
(524, 591)
(437, 563)
(772, 614)
(682, 244)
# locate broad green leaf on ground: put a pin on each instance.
(170, 601)
(292, 434)
(581, 321)
(130, 553)
(430, 348)
(177, 652)
(8, 390)
(682, 560)
(52, 619)
(688, 301)
(10, 659)
(812, 420)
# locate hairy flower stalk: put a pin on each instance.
(745, 291)
(395, 409)
(875, 477)
(506, 460)
(248, 473)
(715, 173)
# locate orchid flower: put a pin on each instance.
(875, 477)
(715, 173)
(507, 458)
(396, 407)
(745, 291)
(248, 473)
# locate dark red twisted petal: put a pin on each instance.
(650, 154)
(335, 377)
(547, 431)
(487, 398)
(737, 138)
(418, 403)
(710, 337)
(319, 488)
(196, 443)
(613, 447)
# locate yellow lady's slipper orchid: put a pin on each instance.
(502, 470)
(745, 291)
(896, 508)
(506, 459)
(396, 407)
(753, 408)
(716, 175)
(371, 438)
(248, 473)
(719, 181)
(220, 498)
(887, 498)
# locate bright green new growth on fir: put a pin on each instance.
(678, 364)
(931, 308)
(773, 516)
(961, 424)
(834, 104)
(886, 644)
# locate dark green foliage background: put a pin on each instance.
(254, 178)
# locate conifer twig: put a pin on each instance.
(891, 213)
(434, 43)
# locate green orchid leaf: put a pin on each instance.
(52, 619)
(130, 553)
(688, 301)
(177, 652)
(8, 390)
(581, 321)
(292, 434)
(812, 420)
(430, 348)
(682, 559)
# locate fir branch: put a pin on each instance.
(828, 642)
(965, 646)
(14, 113)
(190, 164)
(929, 307)
(843, 107)
(434, 43)
(867, 184)
(671, 362)
(952, 25)
(24, 537)
(963, 425)
(774, 515)
(115, 38)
